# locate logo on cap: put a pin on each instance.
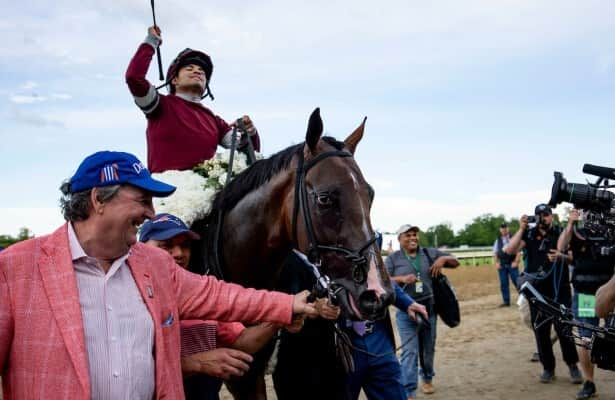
(168, 218)
(109, 173)
(138, 167)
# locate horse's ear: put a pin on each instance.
(355, 137)
(314, 130)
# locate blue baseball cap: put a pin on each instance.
(165, 226)
(106, 168)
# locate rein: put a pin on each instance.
(239, 125)
(314, 252)
(344, 337)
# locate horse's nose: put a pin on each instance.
(371, 305)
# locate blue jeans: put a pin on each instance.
(505, 271)
(410, 351)
(380, 377)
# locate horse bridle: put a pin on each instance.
(314, 252)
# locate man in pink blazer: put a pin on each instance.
(87, 312)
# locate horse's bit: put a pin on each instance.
(359, 261)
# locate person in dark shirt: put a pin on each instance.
(591, 270)
(507, 265)
(181, 132)
(548, 268)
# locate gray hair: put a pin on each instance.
(77, 206)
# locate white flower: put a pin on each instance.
(196, 191)
(222, 178)
(188, 201)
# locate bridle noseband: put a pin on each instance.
(314, 252)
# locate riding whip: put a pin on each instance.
(160, 74)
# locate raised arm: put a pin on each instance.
(564, 238)
(145, 94)
(516, 243)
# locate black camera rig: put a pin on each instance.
(602, 345)
(596, 200)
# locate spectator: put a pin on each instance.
(412, 267)
(543, 263)
(204, 370)
(71, 303)
(591, 270)
(507, 265)
(181, 132)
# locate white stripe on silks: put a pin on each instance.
(148, 103)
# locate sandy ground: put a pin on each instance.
(487, 356)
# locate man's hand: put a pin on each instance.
(573, 217)
(437, 266)
(247, 122)
(553, 255)
(327, 310)
(296, 325)
(409, 279)
(155, 32)
(222, 363)
(523, 222)
(417, 308)
(301, 307)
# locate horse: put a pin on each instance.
(311, 197)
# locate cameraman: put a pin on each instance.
(545, 264)
(591, 270)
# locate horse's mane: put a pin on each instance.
(260, 173)
(247, 181)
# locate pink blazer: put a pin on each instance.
(42, 345)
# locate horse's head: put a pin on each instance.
(332, 204)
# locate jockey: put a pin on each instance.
(181, 132)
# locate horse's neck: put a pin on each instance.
(255, 234)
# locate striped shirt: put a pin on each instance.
(119, 331)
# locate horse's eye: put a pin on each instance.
(323, 199)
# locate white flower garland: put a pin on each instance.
(197, 188)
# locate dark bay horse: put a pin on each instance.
(311, 197)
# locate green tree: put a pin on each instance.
(7, 240)
(438, 236)
(482, 231)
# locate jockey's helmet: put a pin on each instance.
(187, 57)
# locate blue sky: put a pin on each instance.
(471, 105)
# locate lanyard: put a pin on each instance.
(413, 261)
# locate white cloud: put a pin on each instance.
(389, 212)
(27, 99)
(40, 221)
(61, 96)
(34, 119)
(29, 85)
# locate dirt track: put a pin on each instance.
(487, 356)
